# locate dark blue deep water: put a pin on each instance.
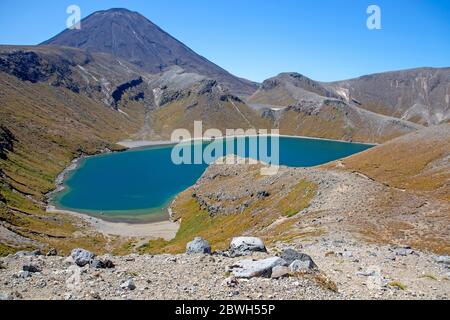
(137, 185)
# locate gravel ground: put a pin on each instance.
(155, 277)
(360, 272)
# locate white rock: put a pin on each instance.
(198, 246)
(259, 268)
(128, 285)
(244, 245)
(82, 257)
(443, 259)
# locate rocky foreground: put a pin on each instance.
(331, 269)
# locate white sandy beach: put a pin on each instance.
(165, 229)
(134, 144)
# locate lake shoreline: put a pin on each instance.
(139, 144)
(166, 230)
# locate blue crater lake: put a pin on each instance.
(137, 186)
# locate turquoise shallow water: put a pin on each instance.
(137, 185)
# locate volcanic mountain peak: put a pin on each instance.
(132, 37)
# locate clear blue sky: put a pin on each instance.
(256, 39)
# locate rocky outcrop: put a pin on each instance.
(6, 142)
(29, 66)
(121, 89)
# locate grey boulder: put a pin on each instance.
(242, 246)
(260, 268)
(82, 257)
(101, 264)
(198, 246)
(290, 256)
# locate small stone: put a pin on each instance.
(31, 268)
(95, 295)
(41, 284)
(230, 282)
(128, 285)
(369, 273)
(52, 252)
(68, 296)
(347, 254)
(24, 274)
(280, 272)
(108, 264)
(198, 246)
(4, 296)
(101, 264)
(404, 251)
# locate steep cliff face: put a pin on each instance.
(96, 76)
(29, 66)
